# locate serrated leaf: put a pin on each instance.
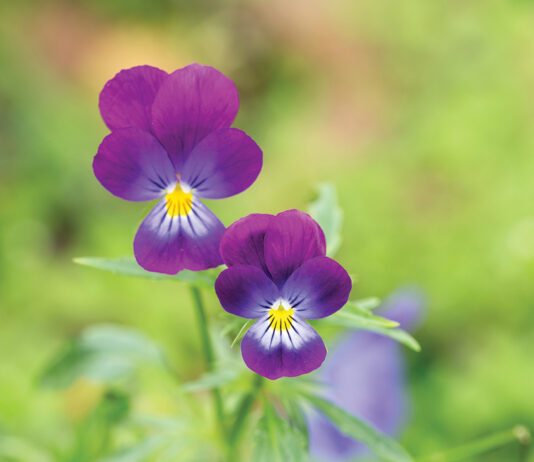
(326, 211)
(103, 353)
(277, 441)
(382, 445)
(354, 321)
(127, 266)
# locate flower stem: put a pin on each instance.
(209, 357)
(242, 413)
(518, 434)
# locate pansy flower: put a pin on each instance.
(278, 274)
(171, 140)
(364, 374)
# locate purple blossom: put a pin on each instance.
(278, 274)
(364, 375)
(171, 140)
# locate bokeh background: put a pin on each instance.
(420, 112)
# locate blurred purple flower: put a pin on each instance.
(364, 374)
(278, 274)
(171, 140)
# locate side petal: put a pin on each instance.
(223, 164)
(168, 244)
(243, 241)
(275, 353)
(292, 238)
(126, 100)
(246, 291)
(132, 164)
(193, 102)
(318, 288)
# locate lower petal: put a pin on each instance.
(278, 352)
(168, 242)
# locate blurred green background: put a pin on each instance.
(420, 112)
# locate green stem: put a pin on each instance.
(517, 434)
(209, 357)
(243, 411)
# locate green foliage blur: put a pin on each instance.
(420, 112)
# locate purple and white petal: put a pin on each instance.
(275, 353)
(318, 288)
(126, 100)
(292, 238)
(364, 374)
(246, 291)
(169, 244)
(243, 241)
(223, 164)
(132, 165)
(192, 102)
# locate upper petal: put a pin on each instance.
(406, 306)
(168, 244)
(126, 100)
(192, 102)
(246, 291)
(133, 165)
(224, 163)
(292, 238)
(318, 288)
(275, 353)
(243, 241)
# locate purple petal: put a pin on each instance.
(242, 243)
(292, 238)
(365, 376)
(318, 288)
(193, 102)
(126, 100)
(275, 353)
(169, 244)
(404, 306)
(132, 165)
(246, 291)
(224, 163)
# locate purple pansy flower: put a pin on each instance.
(171, 140)
(364, 375)
(278, 274)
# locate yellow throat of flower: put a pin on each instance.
(179, 202)
(281, 318)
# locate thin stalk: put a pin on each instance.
(243, 411)
(518, 434)
(209, 357)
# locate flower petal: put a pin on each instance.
(292, 238)
(406, 306)
(243, 241)
(224, 163)
(169, 244)
(246, 291)
(318, 288)
(275, 353)
(126, 100)
(364, 374)
(193, 102)
(132, 165)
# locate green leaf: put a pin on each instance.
(277, 441)
(127, 266)
(353, 314)
(216, 379)
(103, 353)
(366, 304)
(21, 450)
(382, 445)
(139, 452)
(326, 211)
(241, 332)
(374, 324)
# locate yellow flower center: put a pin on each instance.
(179, 202)
(281, 318)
